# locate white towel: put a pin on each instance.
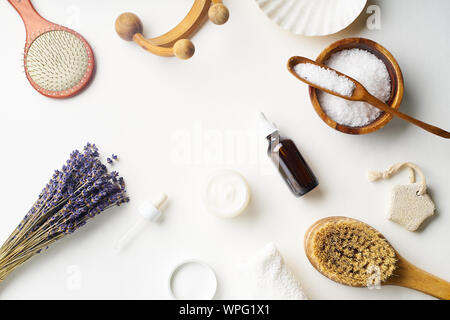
(265, 276)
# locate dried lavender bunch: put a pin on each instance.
(82, 189)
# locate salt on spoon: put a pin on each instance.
(326, 78)
(358, 94)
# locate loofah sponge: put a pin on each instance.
(410, 204)
(348, 251)
(408, 208)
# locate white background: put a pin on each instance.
(171, 123)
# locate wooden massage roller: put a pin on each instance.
(175, 42)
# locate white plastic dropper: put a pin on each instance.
(149, 212)
(266, 126)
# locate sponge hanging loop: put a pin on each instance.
(376, 175)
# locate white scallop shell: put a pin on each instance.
(312, 17)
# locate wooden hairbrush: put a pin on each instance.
(173, 43)
(58, 61)
(353, 253)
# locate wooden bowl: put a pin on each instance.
(397, 86)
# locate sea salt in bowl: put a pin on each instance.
(395, 75)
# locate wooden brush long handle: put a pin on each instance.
(21, 5)
(32, 20)
(384, 107)
(409, 276)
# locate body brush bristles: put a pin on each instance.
(80, 191)
(350, 252)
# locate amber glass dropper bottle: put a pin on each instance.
(286, 156)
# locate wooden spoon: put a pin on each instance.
(361, 94)
(405, 275)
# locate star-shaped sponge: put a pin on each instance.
(408, 208)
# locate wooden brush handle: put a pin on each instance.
(384, 107)
(409, 276)
(22, 5)
(32, 20)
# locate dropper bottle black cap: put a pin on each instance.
(290, 162)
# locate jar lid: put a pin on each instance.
(193, 280)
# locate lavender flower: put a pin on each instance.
(82, 189)
(112, 159)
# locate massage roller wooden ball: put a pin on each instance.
(175, 42)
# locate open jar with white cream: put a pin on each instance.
(226, 194)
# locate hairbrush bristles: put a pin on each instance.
(350, 252)
(57, 61)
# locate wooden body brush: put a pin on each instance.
(58, 61)
(175, 42)
(353, 253)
